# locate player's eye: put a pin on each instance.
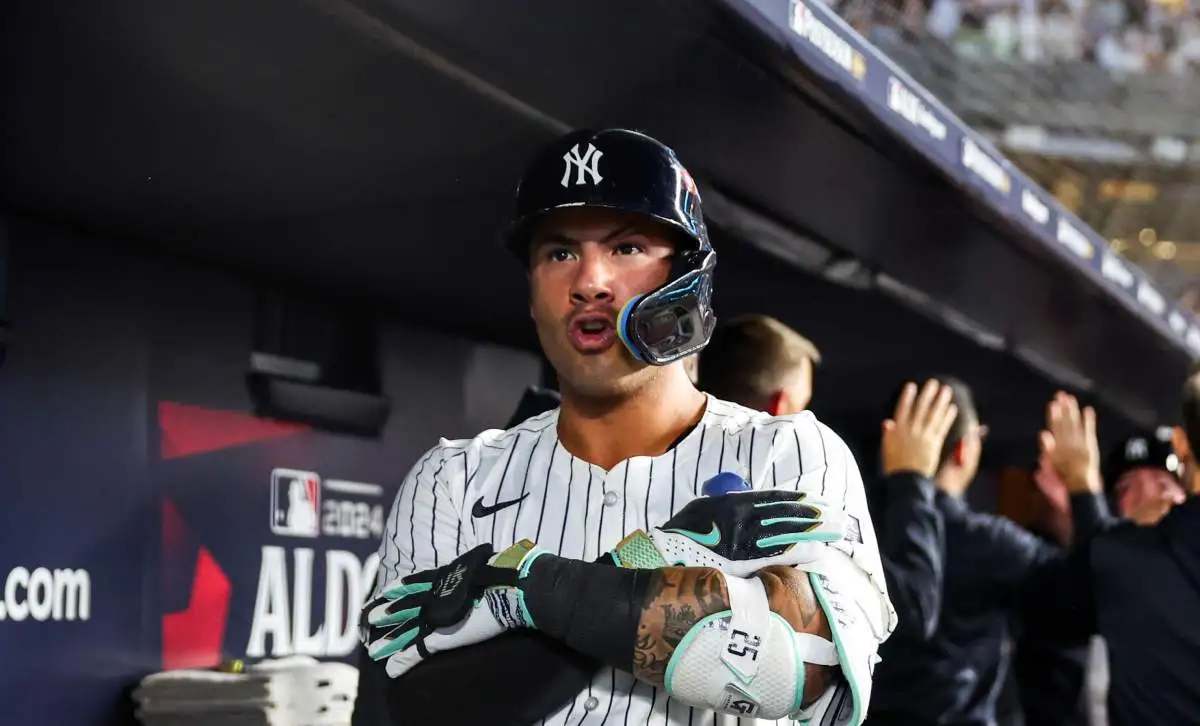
(629, 248)
(557, 254)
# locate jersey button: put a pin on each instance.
(592, 701)
(610, 498)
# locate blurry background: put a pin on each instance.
(1097, 100)
(249, 244)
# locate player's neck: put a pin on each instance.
(647, 422)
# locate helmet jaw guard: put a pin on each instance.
(675, 320)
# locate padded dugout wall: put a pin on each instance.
(136, 479)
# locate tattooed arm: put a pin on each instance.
(679, 597)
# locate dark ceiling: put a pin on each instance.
(370, 149)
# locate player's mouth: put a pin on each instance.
(592, 332)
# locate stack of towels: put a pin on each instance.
(295, 691)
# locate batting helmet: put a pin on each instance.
(631, 172)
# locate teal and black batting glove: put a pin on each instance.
(467, 601)
(738, 533)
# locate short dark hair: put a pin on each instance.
(967, 416)
(749, 358)
(1191, 412)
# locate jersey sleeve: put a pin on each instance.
(827, 473)
(424, 525)
(861, 542)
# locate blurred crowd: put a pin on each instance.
(1080, 616)
(1122, 36)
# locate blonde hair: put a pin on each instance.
(750, 357)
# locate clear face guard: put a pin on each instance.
(675, 320)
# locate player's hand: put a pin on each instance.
(470, 600)
(914, 435)
(1051, 485)
(743, 532)
(1069, 441)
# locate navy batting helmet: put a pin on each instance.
(631, 172)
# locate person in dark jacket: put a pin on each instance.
(1064, 681)
(992, 568)
(759, 362)
(909, 526)
(1143, 592)
(1141, 476)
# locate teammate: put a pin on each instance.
(1141, 589)
(1141, 477)
(501, 532)
(760, 362)
(992, 568)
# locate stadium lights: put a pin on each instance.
(1165, 250)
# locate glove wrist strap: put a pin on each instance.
(592, 608)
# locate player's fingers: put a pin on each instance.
(1071, 410)
(772, 497)
(407, 588)
(391, 613)
(403, 662)
(787, 513)
(904, 406)
(943, 426)
(775, 526)
(1054, 416)
(1046, 442)
(791, 538)
(393, 641)
(925, 400)
(1089, 424)
(938, 409)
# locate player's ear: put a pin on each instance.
(777, 402)
(960, 452)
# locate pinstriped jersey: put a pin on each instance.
(504, 486)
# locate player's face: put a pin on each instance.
(1146, 493)
(585, 264)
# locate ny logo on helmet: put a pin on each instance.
(587, 164)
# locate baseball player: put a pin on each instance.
(588, 524)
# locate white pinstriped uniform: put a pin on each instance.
(580, 510)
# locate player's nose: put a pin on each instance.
(593, 281)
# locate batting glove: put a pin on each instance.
(470, 600)
(738, 533)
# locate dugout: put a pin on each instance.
(187, 184)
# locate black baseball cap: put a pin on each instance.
(1144, 449)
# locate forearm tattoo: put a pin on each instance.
(677, 598)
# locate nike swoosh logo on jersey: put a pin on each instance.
(481, 510)
(708, 540)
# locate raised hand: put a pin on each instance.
(1069, 441)
(914, 435)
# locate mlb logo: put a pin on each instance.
(295, 503)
